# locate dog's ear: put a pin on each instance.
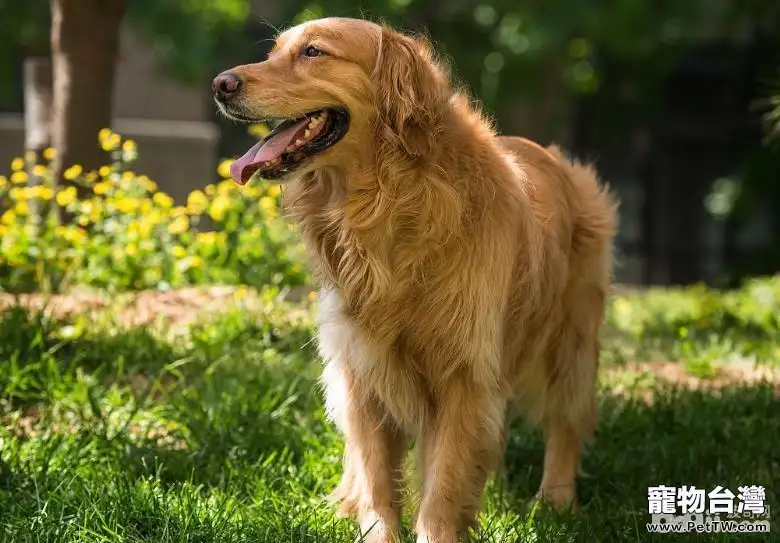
(410, 92)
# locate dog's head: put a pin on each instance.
(333, 87)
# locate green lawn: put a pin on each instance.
(214, 431)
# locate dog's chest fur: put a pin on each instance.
(394, 372)
(400, 311)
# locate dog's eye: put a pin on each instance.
(312, 51)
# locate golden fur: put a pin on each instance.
(463, 274)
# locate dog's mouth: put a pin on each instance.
(290, 144)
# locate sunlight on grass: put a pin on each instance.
(128, 433)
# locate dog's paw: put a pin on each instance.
(345, 501)
(561, 498)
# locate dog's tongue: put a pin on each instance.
(241, 169)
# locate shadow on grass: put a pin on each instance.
(251, 456)
(684, 438)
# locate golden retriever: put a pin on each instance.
(463, 274)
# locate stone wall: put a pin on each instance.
(169, 120)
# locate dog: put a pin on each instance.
(463, 274)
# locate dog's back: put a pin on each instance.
(553, 363)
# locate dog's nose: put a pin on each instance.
(226, 84)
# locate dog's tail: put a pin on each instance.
(598, 207)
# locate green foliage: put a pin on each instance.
(698, 324)
(503, 47)
(772, 118)
(24, 30)
(123, 233)
(189, 35)
(218, 433)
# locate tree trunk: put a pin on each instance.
(85, 43)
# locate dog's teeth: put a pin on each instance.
(299, 142)
(307, 133)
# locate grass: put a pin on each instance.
(215, 432)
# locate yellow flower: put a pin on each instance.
(19, 177)
(78, 233)
(258, 130)
(178, 251)
(18, 193)
(127, 205)
(21, 208)
(224, 168)
(111, 142)
(72, 173)
(178, 211)
(129, 146)
(104, 171)
(8, 218)
(146, 206)
(131, 249)
(66, 196)
(60, 231)
(30, 157)
(274, 191)
(162, 200)
(205, 238)
(240, 293)
(49, 153)
(217, 213)
(210, 190)
(44, 193)
(17, 164)
(218, 208)
(3, 182)
(196, 202)
(102, 188)
(268, 205)
(196, 261)
(83, 221)
(252, 191)
(104, 134)
(147, 184)
(179, 225)
(39, 170)
(146, 228)
(226, 187)
(128, 175)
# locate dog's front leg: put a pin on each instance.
(460, 447)
(369, 489)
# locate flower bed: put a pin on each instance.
(123, 233)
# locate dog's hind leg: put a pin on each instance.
(571, 413)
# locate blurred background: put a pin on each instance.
(158, 369)
(677, 103)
